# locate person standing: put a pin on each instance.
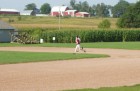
(77, 40)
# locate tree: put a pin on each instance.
(72, 3)
(85, 6)
(45, 8)
(92, 11)
(102, 10)
(78, 6)
(120, 8)
(81, 6)
(131, 18)
(30, 6)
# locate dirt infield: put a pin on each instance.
(121, 69)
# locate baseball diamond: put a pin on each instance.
(121, 69)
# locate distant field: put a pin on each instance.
(53, 22)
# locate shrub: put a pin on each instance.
(104, 24)
(11, 20)
(19, 18)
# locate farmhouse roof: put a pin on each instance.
(4, 25)
(71, 10)
(9, 10)
(59, 8)
(83, 12)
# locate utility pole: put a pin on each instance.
(59, 16)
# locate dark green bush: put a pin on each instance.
(131, 18)
(19, 18)
(104, 24)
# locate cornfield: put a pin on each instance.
(68, 36)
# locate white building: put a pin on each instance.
(58, 10)
(26, 12)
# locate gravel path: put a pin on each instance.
(121, 69)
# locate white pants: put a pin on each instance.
(77, 48)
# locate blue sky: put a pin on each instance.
(20, 4)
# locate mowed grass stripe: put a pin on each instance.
(113, 45)
(9, 57)
(123, 88)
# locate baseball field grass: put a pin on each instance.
(10, 57)
(113, 45)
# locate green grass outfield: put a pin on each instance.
(124, 88)
(10, 57)
(113, 45)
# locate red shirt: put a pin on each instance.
(77, 40)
